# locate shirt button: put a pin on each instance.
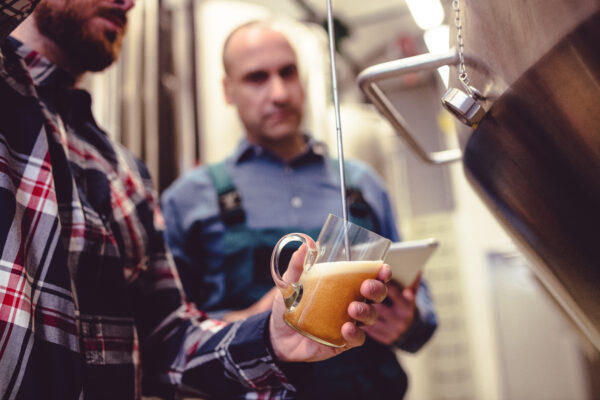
(287, 171)
(296, 202)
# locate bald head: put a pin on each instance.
(245, 33)
(261, 81)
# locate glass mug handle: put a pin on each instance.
(292, 291)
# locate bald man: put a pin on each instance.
(224, 219)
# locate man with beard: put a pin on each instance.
(91, 304)
(224, 219)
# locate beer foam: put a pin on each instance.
(345, 267)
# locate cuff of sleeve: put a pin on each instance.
(297, 374)
(264, 375)
(418, 333)
(240, 352)
(408, 336)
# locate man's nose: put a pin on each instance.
(279, 90)
(125, 5)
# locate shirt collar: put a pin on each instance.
(41, 70)
(246, 150)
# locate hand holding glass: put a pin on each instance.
(317, 304)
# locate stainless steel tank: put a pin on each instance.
(534, 158)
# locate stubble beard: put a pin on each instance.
(85, 50)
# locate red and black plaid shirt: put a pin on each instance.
(90, 303)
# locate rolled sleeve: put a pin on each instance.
(238, 353)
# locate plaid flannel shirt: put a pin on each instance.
(90, 302)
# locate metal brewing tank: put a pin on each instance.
(535, 157)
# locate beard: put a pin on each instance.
(68, 26)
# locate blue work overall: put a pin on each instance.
(368, 372)
(247, 251)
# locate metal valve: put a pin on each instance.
(464, 107)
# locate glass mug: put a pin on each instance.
(317, 304)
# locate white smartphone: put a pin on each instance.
(408, 258)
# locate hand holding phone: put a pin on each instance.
(408, 258)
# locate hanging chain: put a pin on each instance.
(462, 70)
(464, 106)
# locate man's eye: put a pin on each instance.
(256, 77)
(289, 72)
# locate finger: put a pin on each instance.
(353, 335)
(377, 336)
(379, 328)
(373, 290)
(395, 293)
(385, 273)
(295, 267)
(408, 296)
(414, 286)
(362, 312)
(378, 333)
(394, 319)
(385, 313)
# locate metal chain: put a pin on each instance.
(462, 70)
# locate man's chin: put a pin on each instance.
(280, 132)
(281, 138)
(100, 50)
(95, 59)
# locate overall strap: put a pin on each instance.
(230, 201)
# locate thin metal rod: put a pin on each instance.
(338, 124)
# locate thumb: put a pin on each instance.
(295, 267)
(300, 258)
